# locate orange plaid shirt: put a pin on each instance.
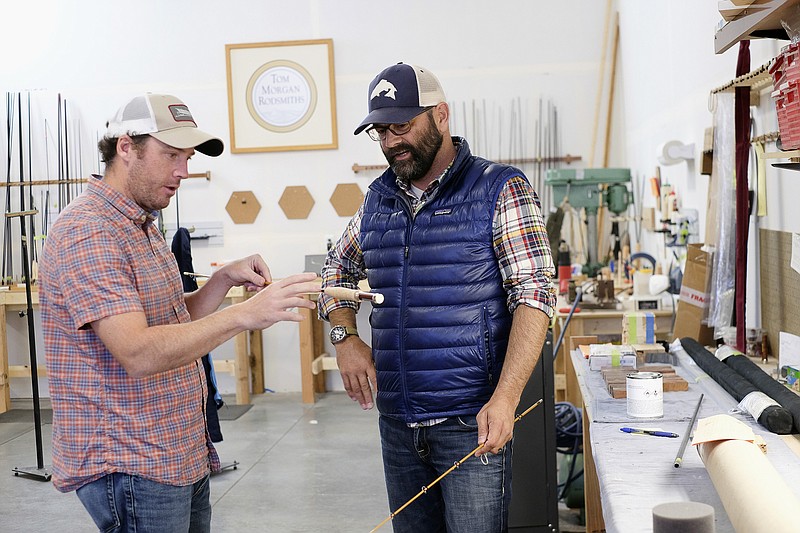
(105, 257)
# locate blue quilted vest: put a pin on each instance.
(439, 339)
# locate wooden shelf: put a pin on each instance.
(759, 20)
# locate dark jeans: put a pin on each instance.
(472, 498)
(121, 503)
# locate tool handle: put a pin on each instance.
(343, 293)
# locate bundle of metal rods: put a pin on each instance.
(26, 121)
(502, 140)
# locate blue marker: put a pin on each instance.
(650, 432)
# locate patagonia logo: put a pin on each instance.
(442, 212)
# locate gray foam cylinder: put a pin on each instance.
(683, 517)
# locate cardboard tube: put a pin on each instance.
(754, 495)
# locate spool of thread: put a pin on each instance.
(683, 517)
(645, 394)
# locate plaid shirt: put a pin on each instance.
(105, 257)
(520, 244)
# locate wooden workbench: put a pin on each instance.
(247, 366)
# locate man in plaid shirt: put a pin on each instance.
(123, 343)
(457, 246)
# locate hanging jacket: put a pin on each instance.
(439, 339)
(182, 250)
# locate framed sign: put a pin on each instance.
(281, 96)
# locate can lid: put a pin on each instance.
(645, 375)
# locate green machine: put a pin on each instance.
(590, 188)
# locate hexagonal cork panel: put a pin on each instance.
(296, 202)
(346, 199)
(243, 207)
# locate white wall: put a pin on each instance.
(97, 54)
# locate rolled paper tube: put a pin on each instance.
(343, 293)
(754, 494)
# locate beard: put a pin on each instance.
(422, 154)
(141, 187)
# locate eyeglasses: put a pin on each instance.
(378, 133)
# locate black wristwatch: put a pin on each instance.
(338, 333)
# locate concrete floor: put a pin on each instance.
(302, 468)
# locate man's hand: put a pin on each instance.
(495, 424)
(354, 358)
(496, 418)
(276, 302)
(252, 272)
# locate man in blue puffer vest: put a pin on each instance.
(458, 247)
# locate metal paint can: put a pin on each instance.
(645, 393)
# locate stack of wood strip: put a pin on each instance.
(615, 378)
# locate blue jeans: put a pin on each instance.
(472, 498)
(124, 503)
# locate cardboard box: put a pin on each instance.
(694, 298)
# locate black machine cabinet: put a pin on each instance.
(534, 488)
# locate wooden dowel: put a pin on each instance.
(607, 144)
(22, 213)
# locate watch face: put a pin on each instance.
(337, 334)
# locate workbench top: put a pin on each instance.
(636, 472)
